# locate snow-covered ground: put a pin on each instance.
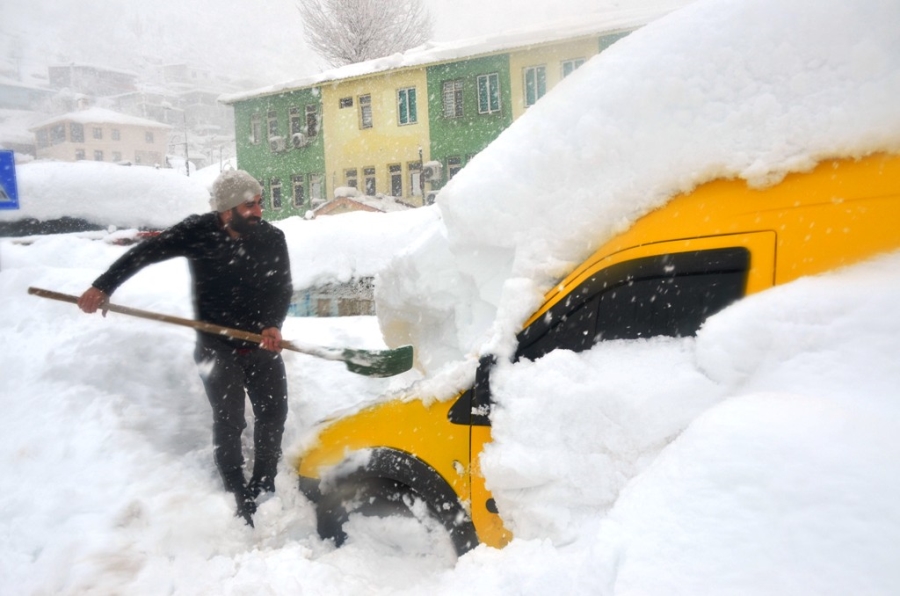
(759, 457)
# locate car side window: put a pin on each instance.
(670, 295)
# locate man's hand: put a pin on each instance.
(271, 339)
(92, 299)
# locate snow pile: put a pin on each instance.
(721, 88)
(783, 482)
(106, 194)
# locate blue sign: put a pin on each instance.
(9, 192)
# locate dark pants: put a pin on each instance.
(226, 373)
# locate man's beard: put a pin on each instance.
(243, 225)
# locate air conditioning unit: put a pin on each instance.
(299, 140)
(277, 144)
(431, 171)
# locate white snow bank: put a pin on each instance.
(106, 194)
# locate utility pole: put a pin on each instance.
(187, 162)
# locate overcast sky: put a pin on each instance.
(259, 39)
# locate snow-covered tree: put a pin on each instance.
(350, 31)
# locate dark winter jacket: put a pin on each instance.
(241, 283)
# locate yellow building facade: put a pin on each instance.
(377, 133)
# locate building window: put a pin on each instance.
(452, 98)
(255, 129)
(488, 93)
(117, 156)
(297, 189)
(79, 154)
(148, 136)
(569, 66)
(350, 178)
(137, 157)
(369, 179)
(116, 134)
(315, 188)
(98, 132)
(57, 134)
(345, 102)
(415, 178)
(406, 105)
(272, 120)
(365, 111)
(43, 139)
(312, 120)
(454, 165)
(395, 171)
(98, 155)
(275, 190)
(535, 84)
(295, 121)
(76, 132)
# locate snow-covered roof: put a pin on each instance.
(8, 82)
(95, 67)
(436, 52)
(102, 116)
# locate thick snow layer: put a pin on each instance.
(720, 88)
(106, 194)
(754, 458)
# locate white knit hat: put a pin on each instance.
(232, 188)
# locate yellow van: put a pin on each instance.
(671, 270)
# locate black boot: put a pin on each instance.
(246, 505)
(245, 499)
(263, 479)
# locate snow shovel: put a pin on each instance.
(371, 363)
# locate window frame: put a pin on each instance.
(416, 186)
(571, 65)
(489, 94)
(271, 124)
(455, 108)
(255, 128)
(312, 120)
(366, 117)
(407, 108)
(369, 182)
(316, 187)
(395, 175)
(295, 122)
(534, 83)
(297, 183)
(351, 178)
(57, 134)
(76, 132)
(275, 196)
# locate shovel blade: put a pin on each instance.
(381, 363)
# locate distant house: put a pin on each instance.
(347, 204)
(102, 135)
(15, 95)
(92, 80)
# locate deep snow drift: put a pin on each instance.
(757, 458)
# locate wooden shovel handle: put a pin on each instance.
(153, 316)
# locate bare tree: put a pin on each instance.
(350, 31)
